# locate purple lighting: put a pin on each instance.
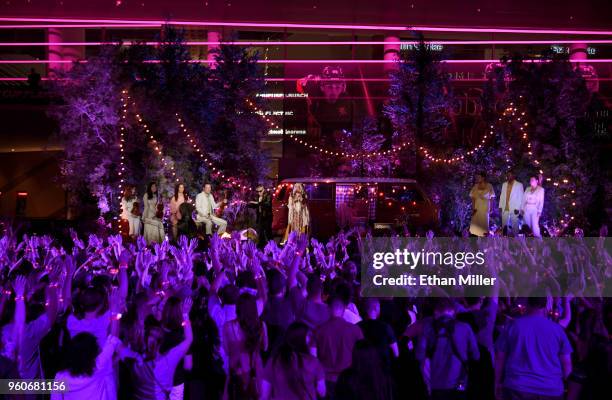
(317, 43)
(595, 60)
(141, 23)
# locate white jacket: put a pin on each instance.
(516, 196)
(534, 200)
(205, 205)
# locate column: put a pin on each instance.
(391, 52)
(579, 52)
(61, 53)
(212, 36)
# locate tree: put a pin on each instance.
(212, 104)
(555, 98)
(420, 100)
(364, 142)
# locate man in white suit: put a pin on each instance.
(205, 207)
(511, 201)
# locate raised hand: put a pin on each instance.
(19, 285)
(187, 304)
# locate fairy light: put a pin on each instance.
(197, 149)
(157, 147)
(121, 172)
(451, 160)
(518, 117)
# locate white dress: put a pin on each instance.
(126, 213)
(482, 200)
(153, 226)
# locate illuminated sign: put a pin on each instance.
(565, 50)
(275, 113)
(432, 47)
(287, 132)
(281, 95)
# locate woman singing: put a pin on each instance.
(533, 203)
(481, 194)
(153, 226)
(180, 197)
(130, 210)
(299, 218)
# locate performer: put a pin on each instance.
(533, 203)
(299, 218)
(511, 202)
(180, 197)
(482, 193)
(186, 226)
(130, 210)
(153, 226)
(263, 207)
(205, 207)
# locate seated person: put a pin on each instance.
(205, 207)
(186, 226)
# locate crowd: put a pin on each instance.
(178, 321)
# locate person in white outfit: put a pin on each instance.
(482, 195)
(205, 208)
(153, 225)
(533, 203)
(130, 210)
(511, 201)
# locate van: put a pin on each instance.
(382, 204)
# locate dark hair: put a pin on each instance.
(154, 336)
(229, 294)
(372, 379)
(248, 318)
(176, 191)
(149, 191)
(246, 279)
(444, 304)
(537, 301)
(88, 300)
(290, 356)
(80, 355)
(314, 285)
(276, 282)
(471, 301)
(172, 314)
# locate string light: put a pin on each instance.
(520, 120)
(197, 148)
(451, 160)
(320, 149)
(121, 171)
(156, 145)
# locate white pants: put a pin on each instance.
(134, 223)
(177, 392)
(510, 219)
(208, 223)
(532, 219)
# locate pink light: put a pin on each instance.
(314, 26)
(589, 61)
(44, 26)
(315, 43)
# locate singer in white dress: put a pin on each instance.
(153, 225)
(533, 204)
(128, 210)
(481, 194)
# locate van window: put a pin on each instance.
(320, 191)
(281, 194)
(403, 193)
